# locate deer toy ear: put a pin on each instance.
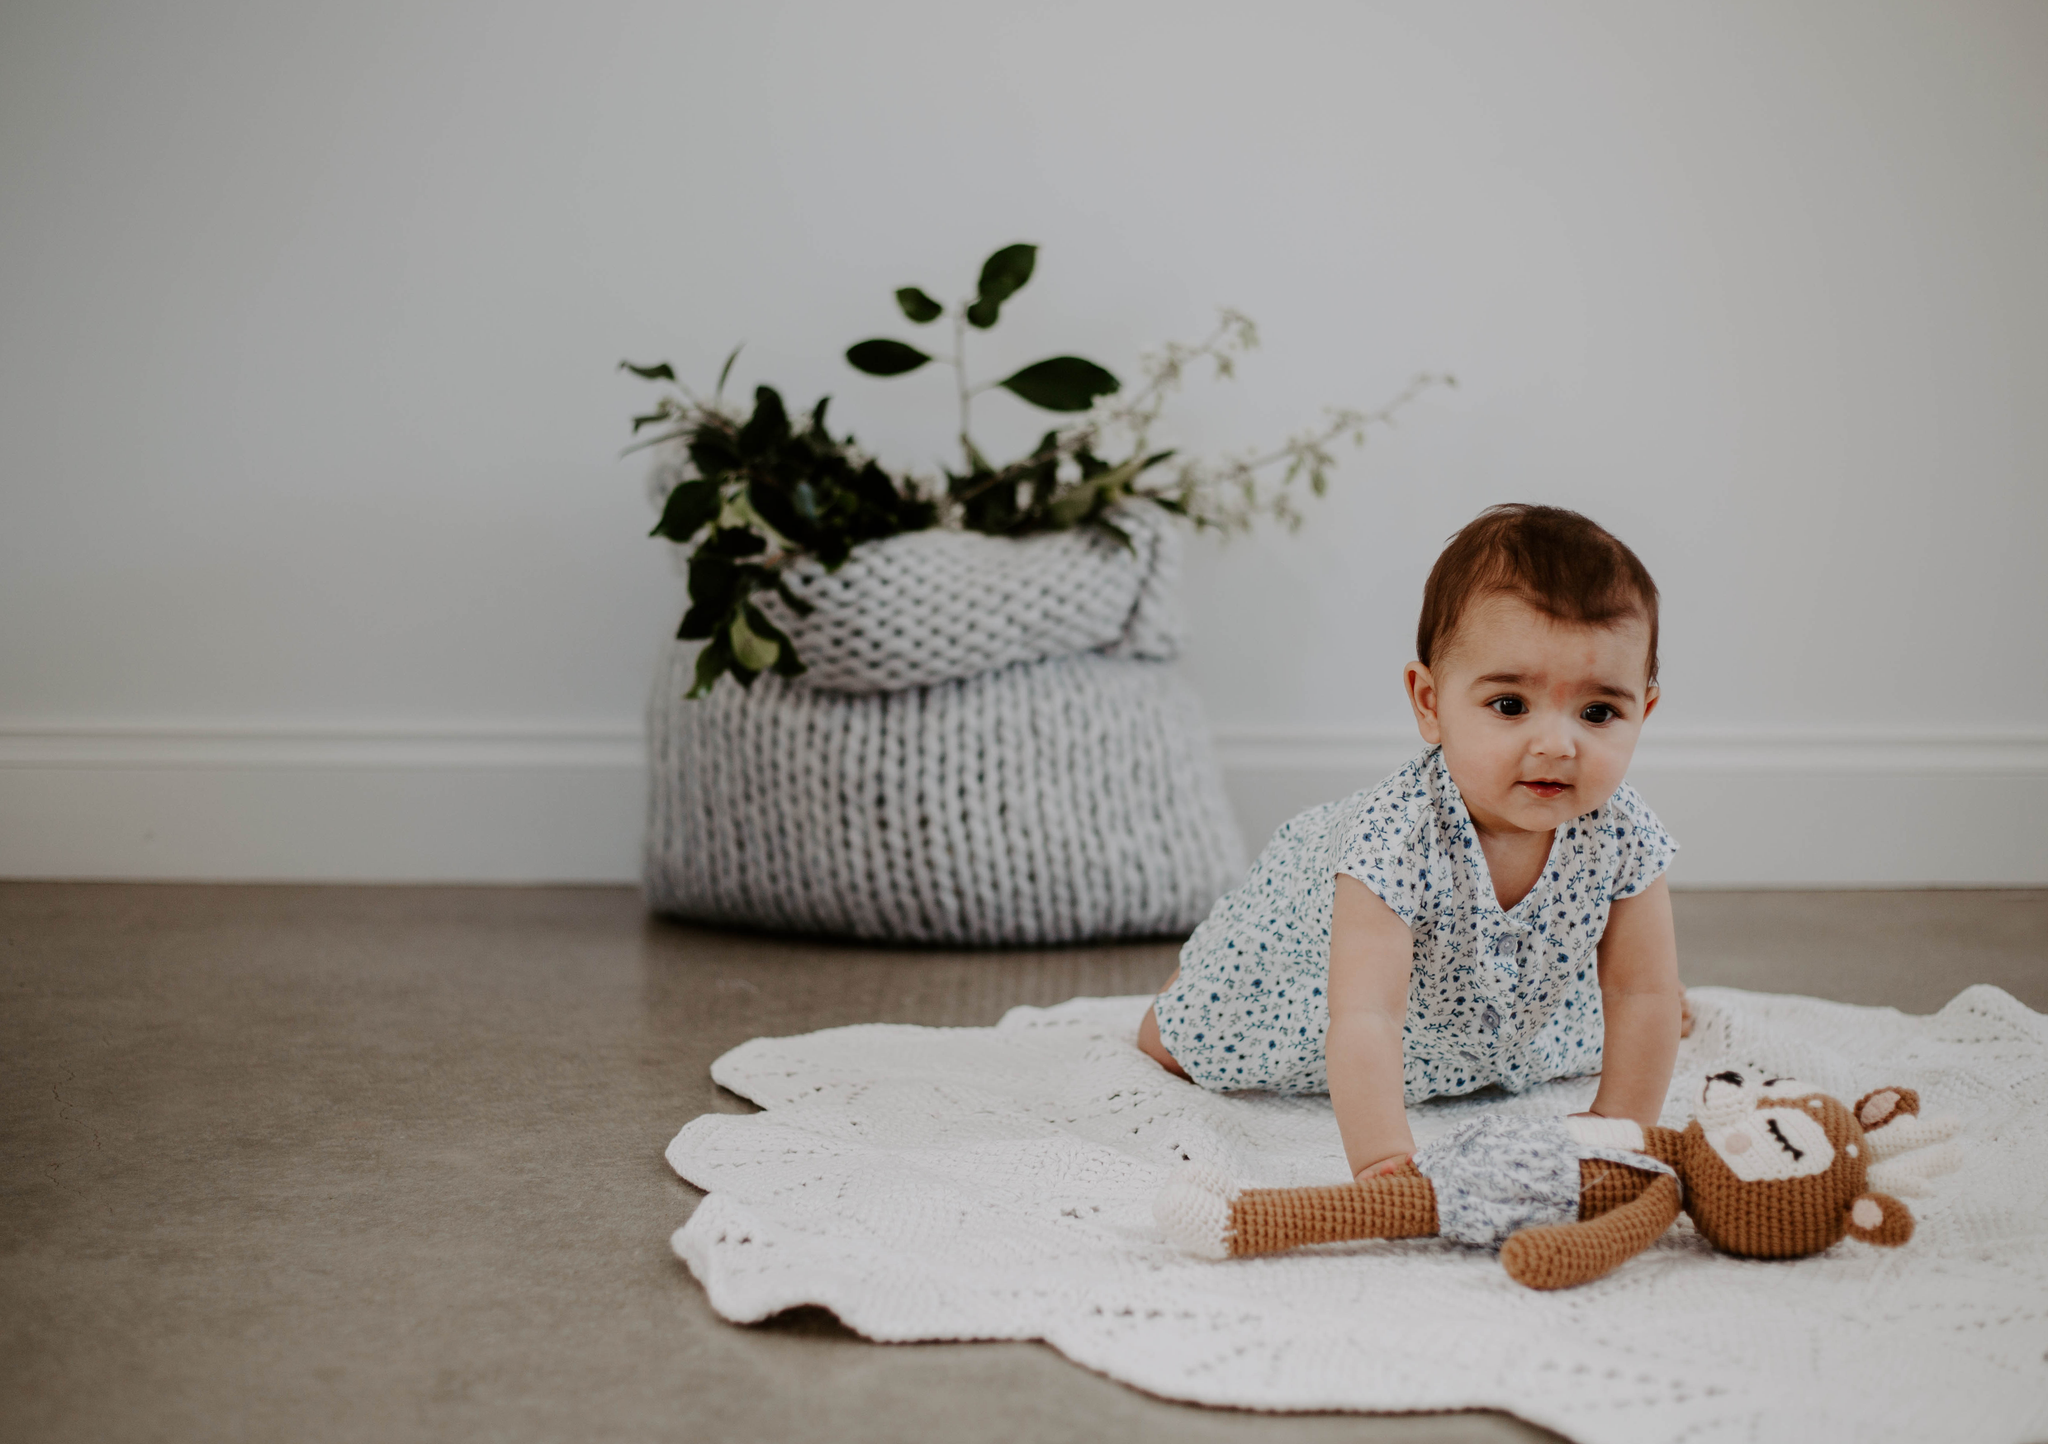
(1886, 1105)
(1880, 1219)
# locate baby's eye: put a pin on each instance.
(1509, 706)
(1598, 713)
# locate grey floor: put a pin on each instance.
(385, 1163)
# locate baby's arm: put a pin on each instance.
(1640, 995)
(1371, 956)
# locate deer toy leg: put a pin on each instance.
(1203, 1214)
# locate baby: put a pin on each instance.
(1494, 913)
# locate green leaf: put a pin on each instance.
(712, 452)
(919, 307)
(768, 427)
(751, 650)
(689, 507)
(658, 372)
(648, 420)
(790, 599)
(730, 541)
(1070, 508)
(884, 358)
(698, 624)
(726, 370)
(818, 417)
(1089, 500)
(1003, 275)
(1120, 476)
(777, 509)
(786, 663)
(712, 662)
(1061, 383)
(1040, 471)
(804, 497)
(711, 586)
(1116, 533)
(872, 486)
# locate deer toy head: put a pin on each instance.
(1775, 1169)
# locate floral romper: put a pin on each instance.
(1508, 998)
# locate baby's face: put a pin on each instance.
(1538, 718)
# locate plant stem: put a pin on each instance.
(960, 378)
(1345, 421)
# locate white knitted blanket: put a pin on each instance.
(996, 1183)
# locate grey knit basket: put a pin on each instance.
(990, 748)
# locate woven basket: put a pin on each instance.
(990, 747)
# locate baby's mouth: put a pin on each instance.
(1545, 787)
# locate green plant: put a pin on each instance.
(760, 492)
(1019, 497)
(765, 492)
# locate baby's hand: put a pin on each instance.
(1391, 1164)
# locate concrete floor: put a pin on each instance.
(385, 1163)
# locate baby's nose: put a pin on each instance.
(1552, 739)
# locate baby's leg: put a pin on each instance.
(1149, 1042)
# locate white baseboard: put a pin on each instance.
(1751, 809)
(1834, 808)
(280, 804)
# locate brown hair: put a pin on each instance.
(1559, 562)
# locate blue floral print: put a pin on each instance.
(1496, 1176)
(1497, 997)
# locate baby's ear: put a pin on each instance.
(1880, 1219)
(1886, 1105)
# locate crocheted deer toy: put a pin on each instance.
(1768, 1168)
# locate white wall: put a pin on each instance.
(316, 559)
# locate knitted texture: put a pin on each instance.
(1817, 1156)
(988, 749)
(1046, 802)
(1770, 1169)
(987, 1183)
(1525, 1183)
(1402, 1206)
(1496, 1175)
(1559, 1256)
(936, 606)
(1604, 1186)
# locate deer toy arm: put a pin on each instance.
(1559, 1255)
